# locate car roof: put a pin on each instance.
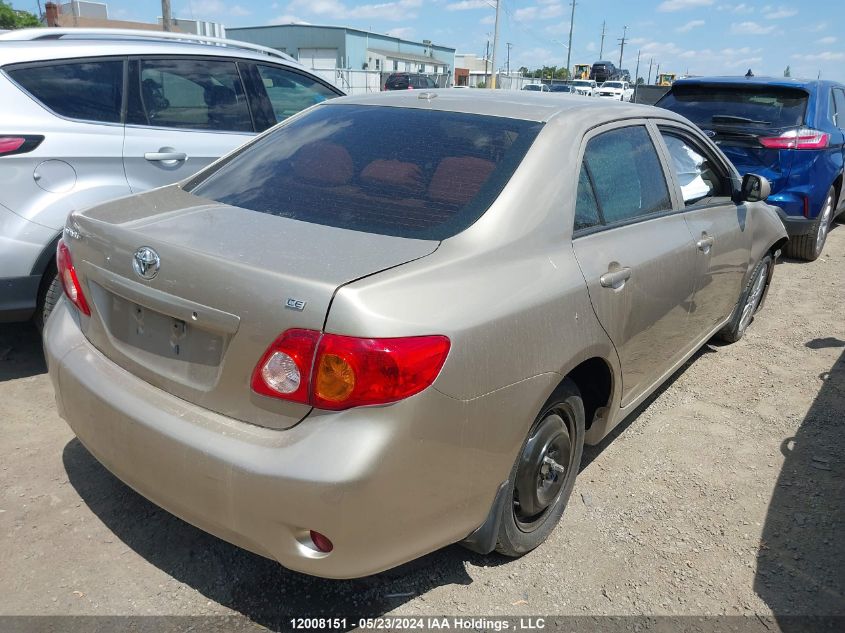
(17, 51)
(784, 82)
(513, 104)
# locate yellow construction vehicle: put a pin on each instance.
(665, 79)
(582, 71)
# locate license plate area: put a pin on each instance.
(162, 335)
(156, 346)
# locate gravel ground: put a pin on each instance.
(724, 495)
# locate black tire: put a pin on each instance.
(48, 295)
(808, 247)
(558, 429)
(749, 302)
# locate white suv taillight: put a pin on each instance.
(803, 138)
(14, 144)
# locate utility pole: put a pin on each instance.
(622, 46)
(657, 74)
(495, 42)
(569, 48)
(510, 46)
(166, 22)
(601, 48)
(650, 62)
(637, 78)
(486, 61)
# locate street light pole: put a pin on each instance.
(601, 48)
(569, 48)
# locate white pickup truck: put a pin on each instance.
(619, 90)
(586, 87)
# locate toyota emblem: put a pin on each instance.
(146, 262)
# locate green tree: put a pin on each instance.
(524, 70)
(787, 72)
(11, 18)
(640, 81)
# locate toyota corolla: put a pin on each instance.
(342, 348)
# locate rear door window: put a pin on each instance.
(290, 92)
(586, 207)
(755, 106)
(197, 94)
(839, 103)
(85, 90)
(363, 168)
(627, 174)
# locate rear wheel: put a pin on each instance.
(749, 302)
(808, 247)
(48, 295)
(544, 474)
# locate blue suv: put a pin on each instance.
(791, 131)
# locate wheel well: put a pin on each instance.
(781, 243)
(595, 382)
(42, 264)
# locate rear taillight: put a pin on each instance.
(797, 139)
(18, 144)
(70, 282)
(336, 372)
(285, 369)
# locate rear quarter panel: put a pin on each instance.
(510, 296)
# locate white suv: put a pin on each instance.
(585, 87)
(89, 115)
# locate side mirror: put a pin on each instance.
(754, 188)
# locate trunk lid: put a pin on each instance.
(230, 281)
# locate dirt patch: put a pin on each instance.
(725, 495)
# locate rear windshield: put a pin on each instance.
(756, 106)
(392, 171)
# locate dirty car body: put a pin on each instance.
(340, 355)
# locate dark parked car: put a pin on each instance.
(603, 71)
(791, 131)
(561, 88)
(409, 81)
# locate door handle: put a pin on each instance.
(165, 156)
(705, 243)
(615, 279)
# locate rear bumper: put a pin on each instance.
(794, 225)
(385, 484)
(18, 298)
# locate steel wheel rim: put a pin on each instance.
(824, 224)
(544, 469)
(754, 298)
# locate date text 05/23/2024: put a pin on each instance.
(431, 623)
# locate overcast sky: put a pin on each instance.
(698, 36)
